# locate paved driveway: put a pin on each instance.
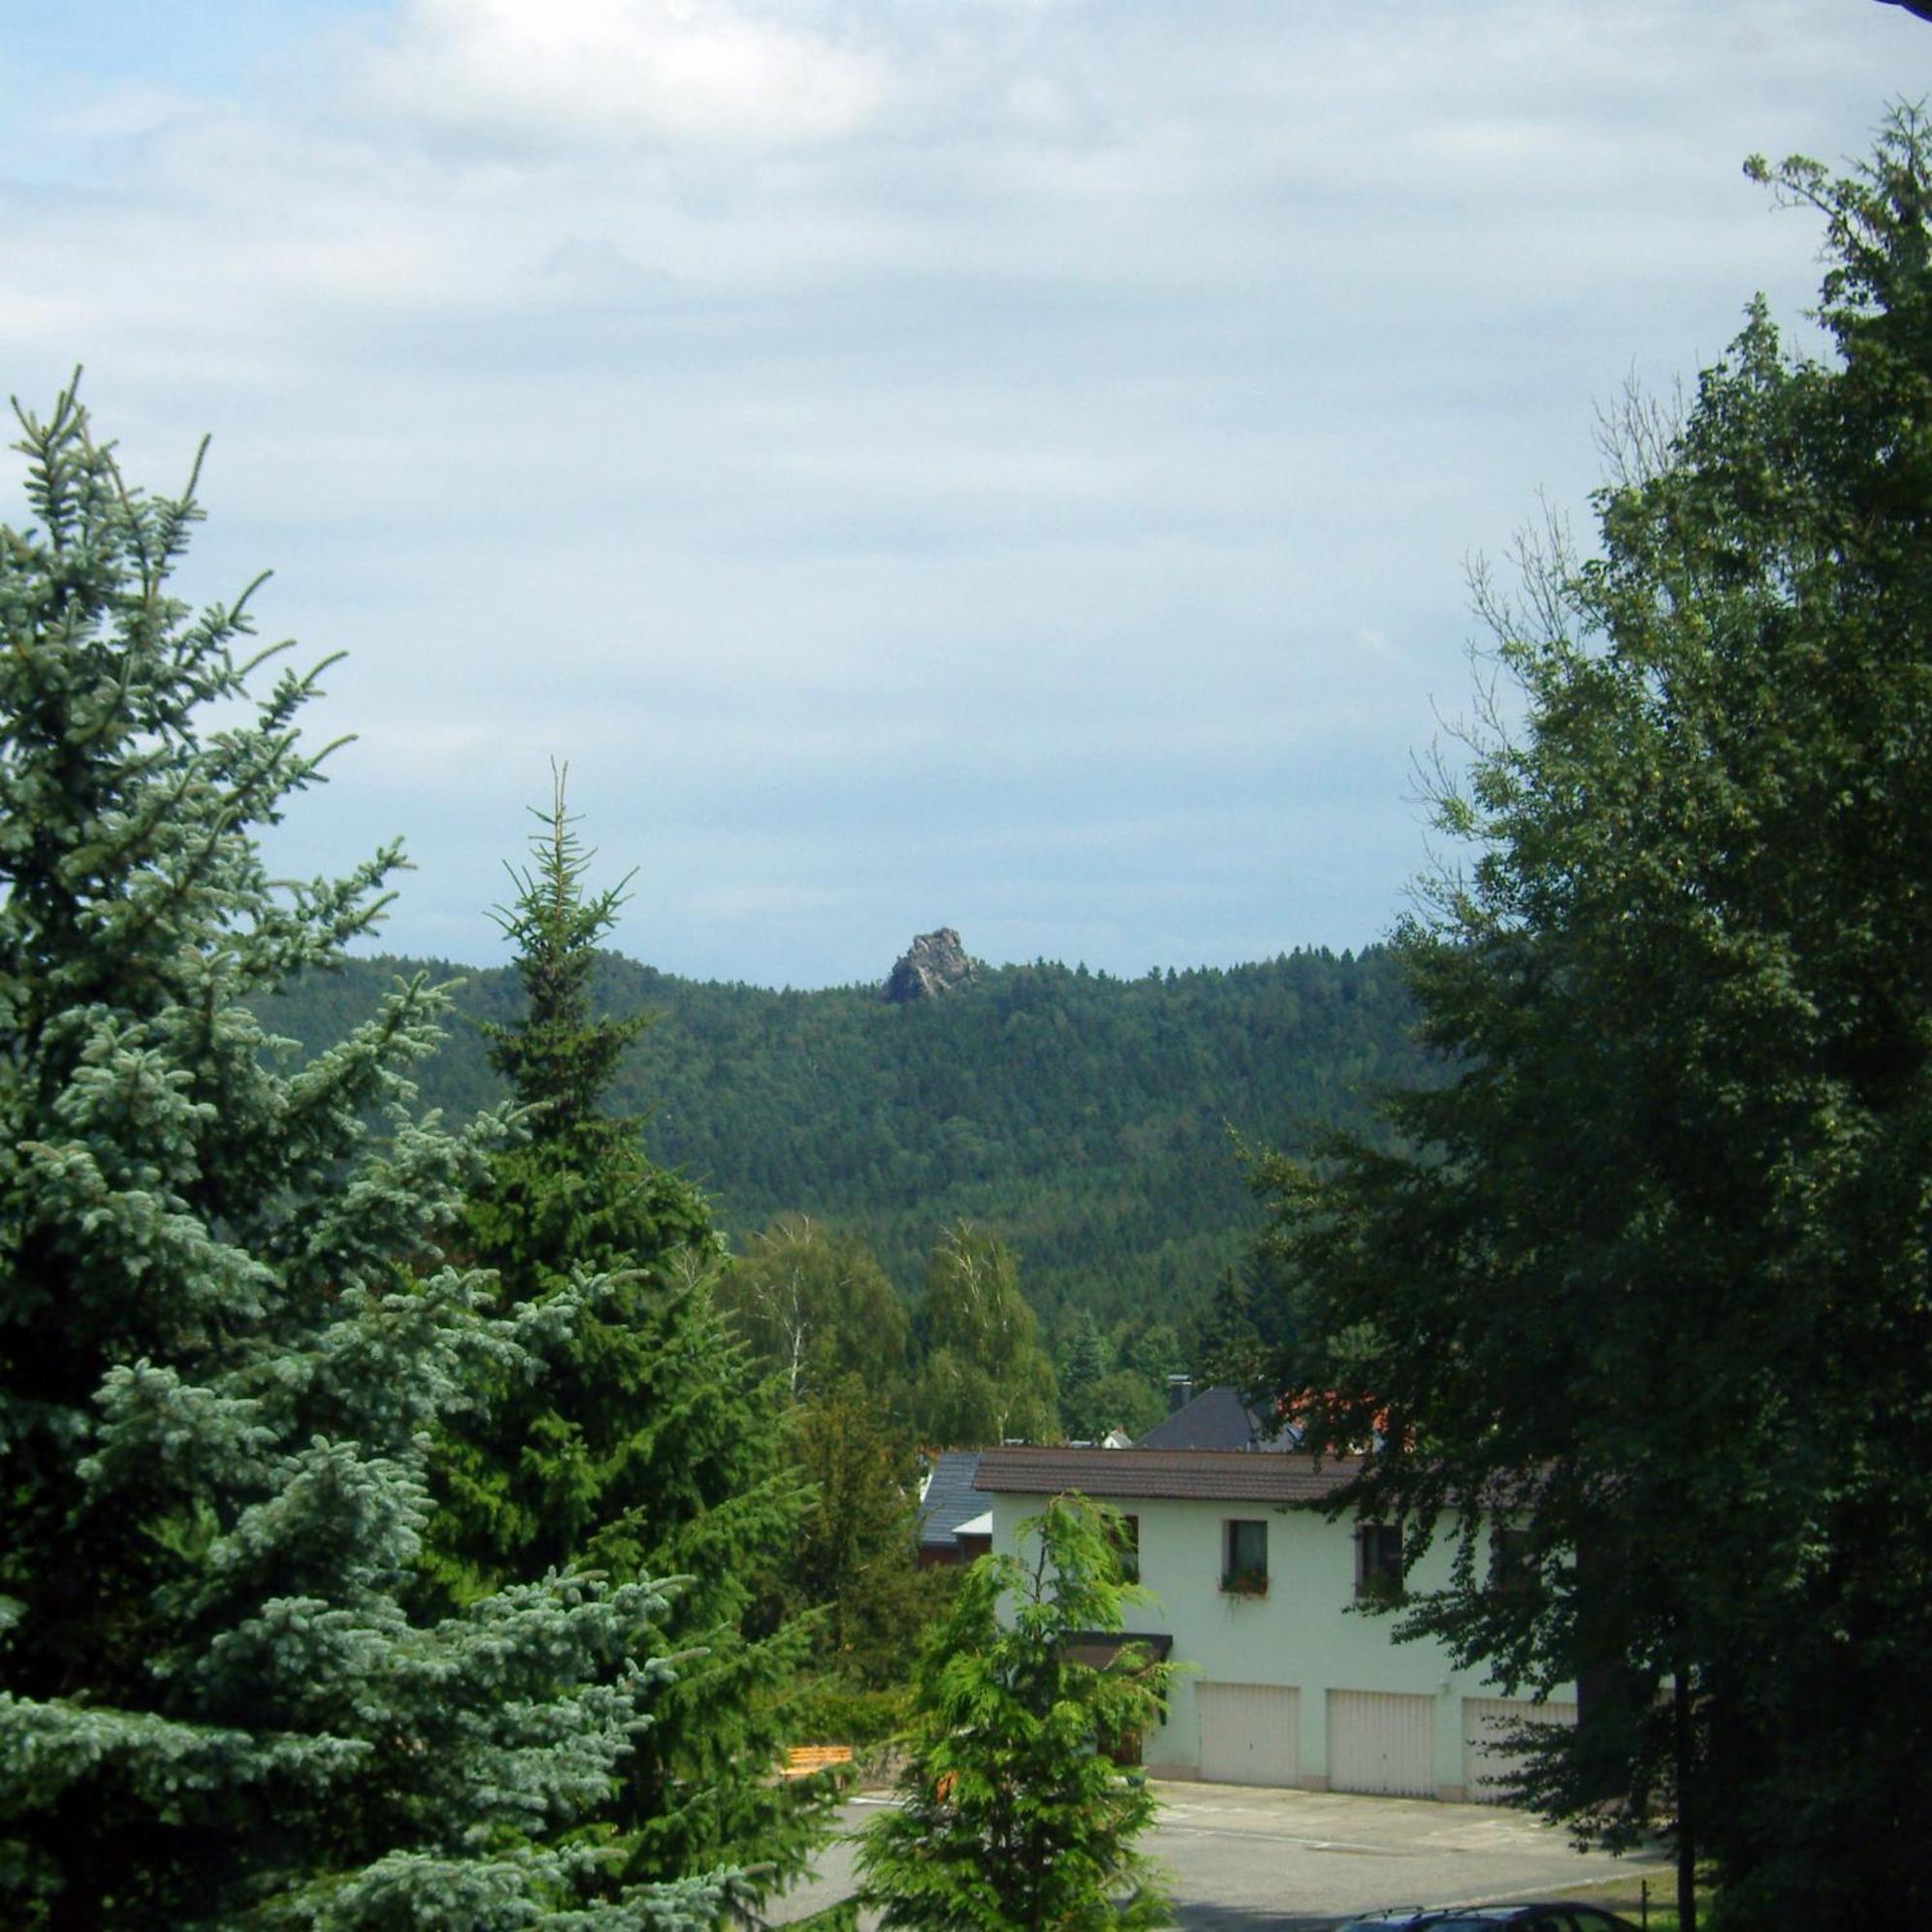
(1246, 1861)
(1244, 1858)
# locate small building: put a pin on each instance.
(1285, 1685)
(954, 1521)
(1214, 1419)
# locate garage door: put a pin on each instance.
(1381, 1743)
(1249, 1733)
(1487, 1755)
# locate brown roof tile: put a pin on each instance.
(1210, 1475)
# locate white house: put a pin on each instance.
(1284, 1685)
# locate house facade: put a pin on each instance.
(1289, 1681)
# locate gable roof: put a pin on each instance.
(947, 1499)
(1210, 1475)
(1216, 1419)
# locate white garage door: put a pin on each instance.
(1382, 1743)
(1487, 1755)
(1249, 1733)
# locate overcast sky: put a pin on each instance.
(1005, 463)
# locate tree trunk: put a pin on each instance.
(1687, 1841)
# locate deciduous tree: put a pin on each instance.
(852, 1560)
(1651, 1278)
(815, 1306)
(983, 1377)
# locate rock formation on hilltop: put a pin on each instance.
(936, 963)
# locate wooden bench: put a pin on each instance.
(803, 1759)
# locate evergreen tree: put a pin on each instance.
(1651, 1279)
(224, 1330)
(1085, 1365)
(1014, 1814)
(1227, 1346)
(646, 1444)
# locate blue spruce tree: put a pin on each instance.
(226, 1331)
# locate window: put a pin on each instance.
(1509, 1573)
(1123, 1533)
(1245, 1557)
(1378, 1562)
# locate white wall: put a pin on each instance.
(1305, 1632)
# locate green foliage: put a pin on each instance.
(1083, 1365)
(1152, 1351)
(1013, 1814)
(226, 1329)
(841, 1917)
(1083, 1117)
(1651, 1281)
(829, 1712)
(639, 1441)
(983, 1377)
(853, 1557)
(1228, 1346)
(1125, 1400)
(814, 1305)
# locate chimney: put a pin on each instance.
(1180, 1391)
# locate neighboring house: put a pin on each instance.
(955, 1524)
(1284, 1685)
(1216, 1419)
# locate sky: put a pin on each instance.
(1012, 464)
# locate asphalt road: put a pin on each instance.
(1241, 1859)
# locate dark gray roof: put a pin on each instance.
(1214, 1475)
(1216, 1419)
(949, 1500)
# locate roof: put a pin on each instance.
(947, 1499)
(1210, 1475)
(1216, 1419)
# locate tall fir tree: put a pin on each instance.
(225, 1330)
(1082, 1371)
(647, 1444)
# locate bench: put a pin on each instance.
(803, 1759)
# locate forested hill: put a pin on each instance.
(1081, 1117)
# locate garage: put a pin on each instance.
(1250, 1733)
(1487, 1755)
(1381, 1743)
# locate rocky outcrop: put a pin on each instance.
(936, 964)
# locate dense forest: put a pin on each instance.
(1089, 1121)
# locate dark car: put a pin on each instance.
(1551, 1915)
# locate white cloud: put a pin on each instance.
(624, 73)
(1064, 415)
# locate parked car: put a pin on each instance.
(1549, 1916)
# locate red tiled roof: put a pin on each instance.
(1212, 1475)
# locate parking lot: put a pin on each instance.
(1242, 1859)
